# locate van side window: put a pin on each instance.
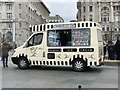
(35, 40)
(69, 37)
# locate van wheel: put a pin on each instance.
(23, 63)
(79, 65)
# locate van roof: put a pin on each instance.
(48, 26)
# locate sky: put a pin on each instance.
(67, 9)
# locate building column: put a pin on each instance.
(99, 11)
(4, 16)
(4, 11)
(14, 31)
(111, 13)
(14, 21)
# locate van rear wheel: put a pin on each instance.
(79, 65)
(23, 63)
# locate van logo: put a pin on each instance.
(64, 56)
(33, 51)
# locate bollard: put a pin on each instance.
(79, 87)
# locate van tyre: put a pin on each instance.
(23, 63)
(79, 65)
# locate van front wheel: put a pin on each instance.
(23, 63)
(79, 65)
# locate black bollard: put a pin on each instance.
(79, 87)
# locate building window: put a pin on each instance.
(0, 25)
(20, 25)
(105, 14)
(9, 7)
(0, 16)
(105, 9)
(84, 19)
(90, 8)
(103, 29)
(9, 16)
(105, 17)
(107, 28)
(115, 29)
(19, 6)
(10, 25)
(119, 29)
(116, 17)
(91, 18)
(20, 16)
(29, 10)
(84, 9)
(0, 6)
(116, 7)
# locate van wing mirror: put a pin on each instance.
(27, 45)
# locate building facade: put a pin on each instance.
(55, 19)
(17, 16)
(106, 13)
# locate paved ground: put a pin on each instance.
(51, 77)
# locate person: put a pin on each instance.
(111, 51)
(5, 49)
(104, 49)
(117, 49)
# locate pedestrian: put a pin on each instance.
(117, 49)
(5, 50)
(111, 50)
(104, 49)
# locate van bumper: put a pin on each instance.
(15, 60)
(101, 62)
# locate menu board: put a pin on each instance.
(53, 38)
(81, 37)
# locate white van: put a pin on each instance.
(75, 44)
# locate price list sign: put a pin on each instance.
(81, 37)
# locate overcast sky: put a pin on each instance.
(66, 9)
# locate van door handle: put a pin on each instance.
(40, 48)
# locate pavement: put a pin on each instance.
(112, 62)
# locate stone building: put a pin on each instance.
(17, 15)
(55, 19)
(107, 13)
